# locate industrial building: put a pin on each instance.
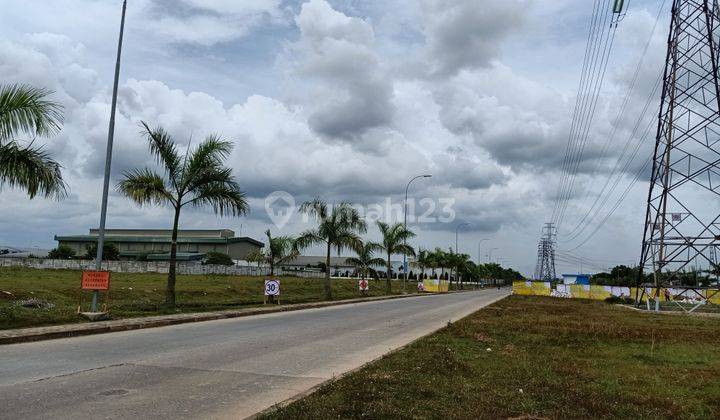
(154, 244)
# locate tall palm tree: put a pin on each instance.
(338, 227)
(280, 250)
(394, 241)
(366, 260)
(26, 110)
(197, 178)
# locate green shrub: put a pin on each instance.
(110, 252)
(620, 300)
(62, 252)
(218, 258)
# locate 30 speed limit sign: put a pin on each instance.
(272, 287)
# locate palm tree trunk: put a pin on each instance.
(170, 291)
(388, 286)
(328, 290)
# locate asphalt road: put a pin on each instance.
(229, 368)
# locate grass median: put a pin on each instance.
(535, 357)
(143, 294)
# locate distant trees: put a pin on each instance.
(338, 227)
(394, 238)
(62, 252)
(26, 110)
(197, 178)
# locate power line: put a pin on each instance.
(584, 115)
(621, 113)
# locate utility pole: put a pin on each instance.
(405, 206)
(680, 229)
(108, 158)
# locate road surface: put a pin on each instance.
(229, 368)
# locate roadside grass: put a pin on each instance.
(143, 294)
(537, 357)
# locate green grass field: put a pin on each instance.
(535, 357)
(133, 295)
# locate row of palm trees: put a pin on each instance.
(339, 227)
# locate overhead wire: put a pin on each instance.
(584, 113)
(616, 123)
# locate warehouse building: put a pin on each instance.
(154, 244)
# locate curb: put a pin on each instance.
(312, 390)
(25, 335)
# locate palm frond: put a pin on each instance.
(223, 197)
(404, 250)
(163, 147)
(316, 207)
(308, 239)
(144, 186)
(32, 169)
(25, 109)
(207, 157)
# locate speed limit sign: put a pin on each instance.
(272, 287)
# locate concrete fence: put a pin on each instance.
(149, 267)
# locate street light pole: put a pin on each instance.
(108, 158)
(456, 244)
(490, 254)
(479, 243)
(405, 267)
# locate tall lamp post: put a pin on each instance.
(108, 158)
(456, 244)
(490, 254)
(480, 243)
(405, 265)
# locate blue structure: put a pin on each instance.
(576, 278)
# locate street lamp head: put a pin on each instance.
(427, 176)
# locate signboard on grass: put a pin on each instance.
(272, 287)
(95, 280)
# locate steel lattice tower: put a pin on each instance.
(682, 222)
(545, 266)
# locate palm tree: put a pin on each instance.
(394, 241)
(197, 178)
(338, 227)
(26, 110)
(439, 260)
(256, 257)
(280, 250)
(366, 260)
(423, 262)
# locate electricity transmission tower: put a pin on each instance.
(545, 266)
(682, 222)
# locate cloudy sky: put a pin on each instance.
(346, 100)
